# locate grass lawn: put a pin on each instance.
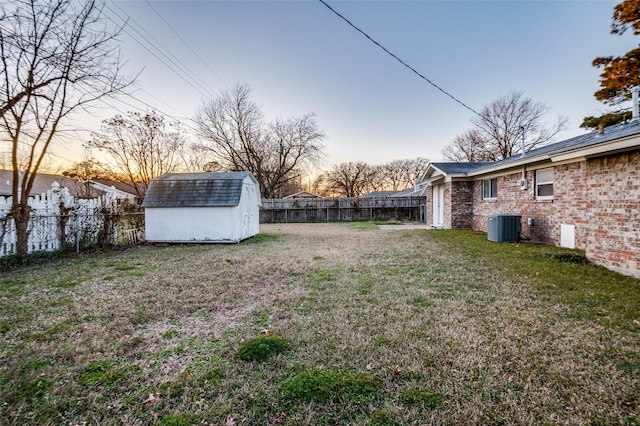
(322, 324)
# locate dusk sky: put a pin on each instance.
(299, 57)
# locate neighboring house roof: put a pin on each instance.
(619, 137)
(196, 189)
(105, 187)
(41, 184)
(302, 194)
(411, 192)
(379, 194)
(103, 184)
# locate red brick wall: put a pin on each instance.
(600, 197)
(613, 211)
(570, 198)
(513, 200)
(461, 216)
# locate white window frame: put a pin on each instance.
(487, 183)
(544, 181)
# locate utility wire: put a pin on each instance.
(398, 59)
(186, 44)
(177, 69)
(166, 53)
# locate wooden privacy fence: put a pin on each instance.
(300, 210)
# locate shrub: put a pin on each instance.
(261, 348)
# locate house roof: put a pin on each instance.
(615, 138)
(196, 189)
(411, 192)
(379, 194)
(302, 194)
(104, 184)
(104, 187)
(588, 144)
(458, 168)
(41, 184)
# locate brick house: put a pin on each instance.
(582, 193)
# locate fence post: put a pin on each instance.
(77, 235)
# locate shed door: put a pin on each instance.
(438, 205)
(246, 210)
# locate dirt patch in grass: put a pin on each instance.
(447, 327)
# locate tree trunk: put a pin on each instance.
(20, 214)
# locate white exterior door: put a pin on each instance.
(438, 205)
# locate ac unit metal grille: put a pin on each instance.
(503, 228)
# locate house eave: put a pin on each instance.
(604, 148)
(613, 147)
(511, 165)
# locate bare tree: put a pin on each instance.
(349, 179)
(57, 57)
(86, 170)
(82, 172)
(237, 137)
(497, 132)
(195, 159)
(401, 174)
(377, 178)
(469, 146)
(140, 148)
(318, 184)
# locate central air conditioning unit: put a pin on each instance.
(503, 228)
(522, 183)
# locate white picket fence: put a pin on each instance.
(59, 218)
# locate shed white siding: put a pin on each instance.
(196, 224)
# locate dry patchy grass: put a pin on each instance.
(395, 328)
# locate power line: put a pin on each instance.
(186, 44)
(182, 68)
(178, 67)
(398, 59)
(123, 113)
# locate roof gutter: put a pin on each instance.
(513, 164)
(607, 148)
(613, 146)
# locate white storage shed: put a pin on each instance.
(202, 207)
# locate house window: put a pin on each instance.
(490, 188)
(544, 184)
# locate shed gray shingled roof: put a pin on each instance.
(196, 190)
